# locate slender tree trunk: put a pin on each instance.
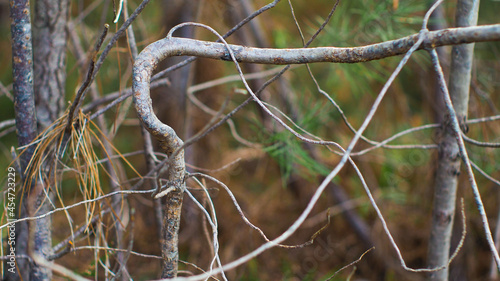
(449, 159)
(438, 22)
(24, 103)
(49, 41)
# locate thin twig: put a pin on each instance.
(328, 97)
(350, 264)
(6, 92)
(227, 117)
(79, 248)
(58, 268)
(480, 143)
(116, 98)
(484, 95)
(7, 123)
(492, 179)
(378, 144)
(484, 119)
(233, 78)
(217, 169)
(80, 203)
(197, 267)
(247, 221)
(131, 36)
(67, 244)
(79, 95)
(6, 258)
(7, 131)
(112, 42)
(229, 33)
(212, 112)
(212, 219)
(493, 274)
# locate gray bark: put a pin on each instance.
(49, 41)
(446, 179)
(438, 22)
(174, 46)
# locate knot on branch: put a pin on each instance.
(177, 185)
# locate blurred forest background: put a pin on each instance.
(271, 173)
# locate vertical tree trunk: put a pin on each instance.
(438, 22)
(24, 103)
(49, 41)
(449, 159)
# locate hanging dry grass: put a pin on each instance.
(72, 151)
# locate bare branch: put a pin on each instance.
(350, 264)
(77, 204)
(117, 97)
(7, 123)
(6, 92)
(170, 46)
(83, 88)
(58, 268)
(173, 46)
(497, 182)
(483, 119)
(229, 33)
(480, 143)
(112, 42)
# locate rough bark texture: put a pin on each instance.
(169, 142)
(40, 231)
(174, 46)
(172, 205)
(445, 188)
(446, 179)
(22, 65)
(49, 41)
(24, 103)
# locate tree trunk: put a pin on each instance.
(49, 56)
(24, 103)
(438, 22)
(448, 170)
(49, 41)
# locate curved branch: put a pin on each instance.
(149, 58)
